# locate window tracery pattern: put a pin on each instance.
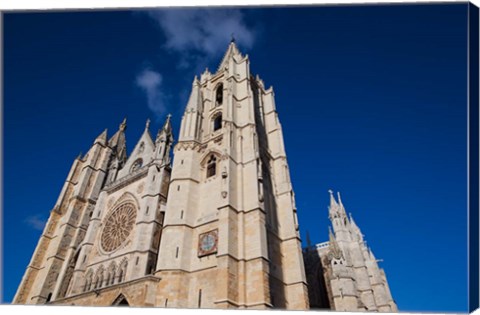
(136, 165)
(118, 226)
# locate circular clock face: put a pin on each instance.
(118, 227)
(208, 242)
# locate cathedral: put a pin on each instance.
(216, 227)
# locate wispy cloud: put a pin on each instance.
(204, 32)
(195, 37)
(151, 82)
(36, 221)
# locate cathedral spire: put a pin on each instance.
(232, 51)
(118, 142)
(102, 138)
(355, 229)
(164, 141)
(123, 125)
(166, 129)
(333, 202)
(335, 250)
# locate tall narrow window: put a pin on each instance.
(217, 122)
(219, 95)
(200, 298)
(211, 166)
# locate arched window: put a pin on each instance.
(112, 281)
(219, 95)
(122, 271)
(217, 122)
(49, 297)
(88, 281)
(136, 165)
(211, 166)
(120, 275)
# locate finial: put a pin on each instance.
(233, 38)
(147, 124)
(339, 199)
(123, 125)
(330, 191)
(169, 116)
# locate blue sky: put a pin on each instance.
(372, 100)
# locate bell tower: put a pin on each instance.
(230, 236)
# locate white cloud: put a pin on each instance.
(202, 31)
(36, 221)
(150, 82)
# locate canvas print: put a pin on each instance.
(296, 158)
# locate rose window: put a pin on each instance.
(118, 227)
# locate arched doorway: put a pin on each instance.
(121, 300)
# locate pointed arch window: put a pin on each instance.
(217, 122)
(136, 165)
(212, 166)
(219, 95)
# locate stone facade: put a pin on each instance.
(343, 273)
(214, 228)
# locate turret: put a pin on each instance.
(119, 152)
(190, 126)
(164, 141)
(118, 143)
(339, 219)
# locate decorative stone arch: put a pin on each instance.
(216, 121)
(210, 163)
(88, 281)
(126, 197)
(121, 300)
(111, 271)
(99, 276)
(122, 270)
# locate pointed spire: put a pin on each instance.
(355, 229)
(339, 199)
(333, 202)
(195, 100)
(331, 237)
(232, 50)
(147, 124)
(167, 125)
(118, 143)
(123, 125)
(335, 250)
(166, 131)
(102, 138)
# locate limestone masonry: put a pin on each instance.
(217, 228)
